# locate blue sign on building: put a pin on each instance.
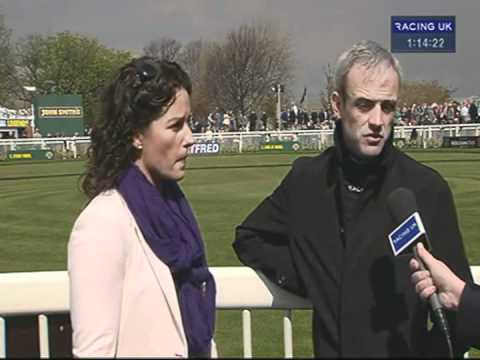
(422, 34)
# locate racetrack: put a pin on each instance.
(40, 202)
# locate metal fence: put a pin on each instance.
(240, 142)
(45, 294)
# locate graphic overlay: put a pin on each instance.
(422, 34)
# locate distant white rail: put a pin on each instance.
(240, 288)
(239, 142)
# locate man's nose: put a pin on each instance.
(376, 116)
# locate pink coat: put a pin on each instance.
(122, 297)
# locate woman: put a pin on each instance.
(140, 285)
(454, 294)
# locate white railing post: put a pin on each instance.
(425, 131)
(288, 334)
(247, 333)
(43, 336)
(424, 139)
(3, 339)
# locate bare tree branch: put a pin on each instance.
(326, 93)
(241, 70)
(164, 48)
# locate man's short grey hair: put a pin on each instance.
(367, 53)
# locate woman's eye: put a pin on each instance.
(177, 126)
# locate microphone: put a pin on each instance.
(403, 208)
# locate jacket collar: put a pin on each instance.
(359, 171)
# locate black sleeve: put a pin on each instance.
(447, 245)
(469, 315)
(261, 241)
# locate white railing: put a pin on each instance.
(238, 142)
(239, 288)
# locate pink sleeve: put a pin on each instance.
(96, 267)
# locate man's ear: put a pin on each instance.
(336, 101)
(138, 141)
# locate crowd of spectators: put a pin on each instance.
(437, 114)
(296, 118)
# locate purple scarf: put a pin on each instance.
(170, 229)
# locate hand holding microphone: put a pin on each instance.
(409, 234)
(436, 278)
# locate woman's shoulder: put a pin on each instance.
(100, 233)
(106, 207)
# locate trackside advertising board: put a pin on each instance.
(31, 155)
(280, 146)
(59, 114)
(205, 148)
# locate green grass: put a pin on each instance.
(40, 201)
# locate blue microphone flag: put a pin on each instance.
(406, 233)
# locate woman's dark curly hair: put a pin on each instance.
(139, 93)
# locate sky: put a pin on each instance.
(319, 29)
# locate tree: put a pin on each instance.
(419, 92)
(7, 64)
(67, 63)
(329, 78)
(192, 58)
(241, 70)
(269, 105)
(164, 48)
(29, 68)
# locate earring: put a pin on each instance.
(139, 146)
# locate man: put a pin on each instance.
(473, 111)
(252, 120)
(453, 293)
(264, 119)
(464, 114)
(323, 232)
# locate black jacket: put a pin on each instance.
(469, 314)
(473, 112)
(364, 303)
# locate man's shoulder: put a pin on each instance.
(308, 162)
(423, 174)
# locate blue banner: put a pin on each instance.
(423, 24)
(425, 34)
